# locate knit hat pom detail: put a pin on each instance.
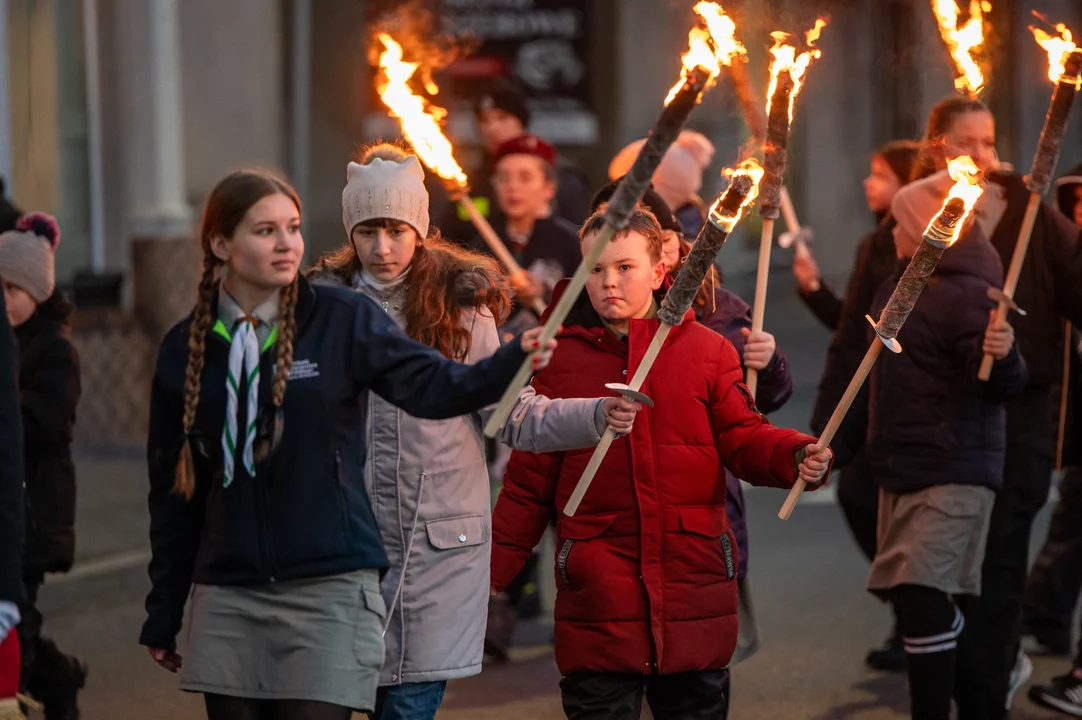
(43, 225)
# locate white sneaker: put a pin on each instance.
(1020, 675)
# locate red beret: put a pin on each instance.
(527, 145)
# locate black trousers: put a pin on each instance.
(1055, 580)
(48, 675)
(616, 696)
(1027, 477)
(858, 496)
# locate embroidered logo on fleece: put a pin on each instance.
(303, 370)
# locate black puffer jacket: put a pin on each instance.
(930, 420)
(48, 393)
(876, 261)
(11, 471)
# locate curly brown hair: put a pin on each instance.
(226, 207)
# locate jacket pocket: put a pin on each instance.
(368, 632)
(457, 532)
(579, 528)
(343, 500)
(711, 522)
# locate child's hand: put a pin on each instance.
(168, 660)
(531, 343)
(806, 271)
(758, 348)
(813, 470)
(620, 414)
(998, 338)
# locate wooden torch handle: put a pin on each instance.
(759, 308)
(606, 440)
(1013, 273)
(792, 223)
(836, 419)
(495, 244)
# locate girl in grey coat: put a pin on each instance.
(428, 480)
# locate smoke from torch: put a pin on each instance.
(962, 41)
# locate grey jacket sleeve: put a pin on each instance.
(537, 424)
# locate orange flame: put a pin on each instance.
(786, 60)
(420, 119)
(962, 40)
(709, 47)
(1058, 49)
(965, 174)
(752, 169)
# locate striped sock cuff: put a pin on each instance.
(937, 643)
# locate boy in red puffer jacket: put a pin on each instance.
(646, 569)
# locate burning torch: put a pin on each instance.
(786, 75)
(420, 124)
(709, 50)
(723, 217)
(943, 231)
(1065, 69)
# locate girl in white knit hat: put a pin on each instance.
(48, 394)
(428, 479)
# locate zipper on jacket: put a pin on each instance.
(727, 549)
(341, 490)
(561, 560)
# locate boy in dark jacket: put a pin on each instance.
(936, 439)
(646, 569)
(48, 393)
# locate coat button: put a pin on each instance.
(462, 538)
(625, 372)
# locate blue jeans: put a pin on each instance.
(409, 701)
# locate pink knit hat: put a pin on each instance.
(28, 255)
(680, 175)
(914, 206)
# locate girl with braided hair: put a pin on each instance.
(255, 451)
(428, 479)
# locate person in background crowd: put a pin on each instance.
(503, 114)
(858, 495)
(545, 245)
(9, 214)
(1055, 579)
(678, 179)
(428, 479)
(49, 390)
(646, 568)
(11, 521)
(1049, 290)
(256, 454)
(936, 451)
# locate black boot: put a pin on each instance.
(55, 681)
(889, 657)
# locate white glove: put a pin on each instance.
(9, 618)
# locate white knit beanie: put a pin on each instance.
(28, 255)
(386, 189)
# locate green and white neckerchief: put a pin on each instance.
(243, 364)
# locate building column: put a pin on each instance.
(165, 261)
(6, 163)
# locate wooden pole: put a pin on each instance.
(1068, 348)
(518, 275)
(1014, 272)
(766, 242)
(836, 419)
(606, 440)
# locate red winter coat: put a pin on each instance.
(646, 569)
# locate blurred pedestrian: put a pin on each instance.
(936, 438)
(678, 179)
(543, 244)
(49, 387)
(11, 521)
(256, 453)
(502, 113)
(857, 492)
(428, 478)
(1049, 290)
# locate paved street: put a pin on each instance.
(816, 621)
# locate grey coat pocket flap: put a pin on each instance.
(457, 532)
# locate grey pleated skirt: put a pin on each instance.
(317, 639)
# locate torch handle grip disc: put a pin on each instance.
(1018, 258)
(836, 420)
(602, 448)
(628, 194)
(1055, 126)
